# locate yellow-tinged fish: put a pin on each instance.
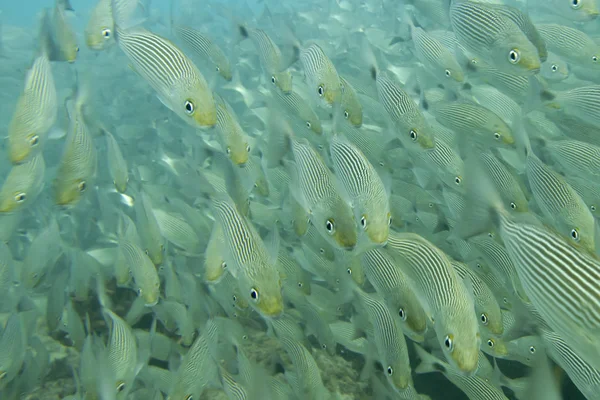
(99, 31)
(179, 84)
(248, 258)
(447, 300)
(77, 167)
(35, 112)
(368, 195)
(321, 74)
(152, 240)
(142, 269)
(205, 47)
(117, 165)
(350, 105)
(57, 36)
(270, 57)
(234, 141)
(23, 184)
(122, 353)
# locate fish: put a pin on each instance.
(117, 165)
(321, 75)
(450, 307)
(178, 83)
(249, 259)
(577, 10)
(493, 36)
(364, 186)
(57, 37)
(150, 235)
(77, 167)
(23, 184)
(35, 112)
(202, 45)
(579, 103)
(571, 44)
(234, 141)
(142, 269)
(122, 353)
(100, 30)
(350, 104)
(294, 104)
(271, 60)
(13, 342)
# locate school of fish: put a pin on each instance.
(319, 200)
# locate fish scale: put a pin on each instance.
(203, 46)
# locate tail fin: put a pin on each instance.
(369, 58)
(429, 363)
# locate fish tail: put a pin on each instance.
(369, 58)
(429, 363)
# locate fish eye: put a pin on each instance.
(402, 314)
(457, 180)
(223, 265)
(575, 4)
(324, 346)
(593, 207)
(484, 319)
(363, 221)
(497, 135)
(321, 90)
(349, 271)
(389, 219)
(532, 349)
(308, 124)
(82, 186)
(189, 107)
(330, 226)
(218, 69)
(513, 205)
(390, 371)
(575, 234)
(413, 135)
(228, 150)
(514, 56)
(245, 337)
(490, 343)
(106, 33)
(594, 58)
(300, 284)
(77, 49)
(189, 397)
(20, 197)
(554, 67)
(346, 115)
(248, 148)
(120, 387)
(254, 294)
(140, 291)
(448, 73)
(449, 343)
(273, 80)
(34, 140)
(234, 298)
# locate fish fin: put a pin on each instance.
(369, 58)
(429, 363)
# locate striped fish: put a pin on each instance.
(494, 37)
(233, 139)
(576, 158)
(317, 192)
(321, 75)
(296, 106)
(389, 340)
(143, 271)
(196, 371)
(270, 57)
(403, 111)
(589, 192)
(307, 381)
(446, 298)
(13, 342)
(562, 282)
(361, 181)
(509, 187)
(350, 105)
(583, 375)
(515, 86)
(23, 183)
(205, 48)
(77, 167)
(177, 231)
(117, 166)
(437, 58)
(234, 389)
(575, 46)
(151, 238)
(444, 162)
(582, 103)
(560, 203)
(248, 258)
(122, 353)
(391, 284)
(99, 31)
(474, 386)
(486, 305)
(179, 84)
(473, 119)
(35, 112)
